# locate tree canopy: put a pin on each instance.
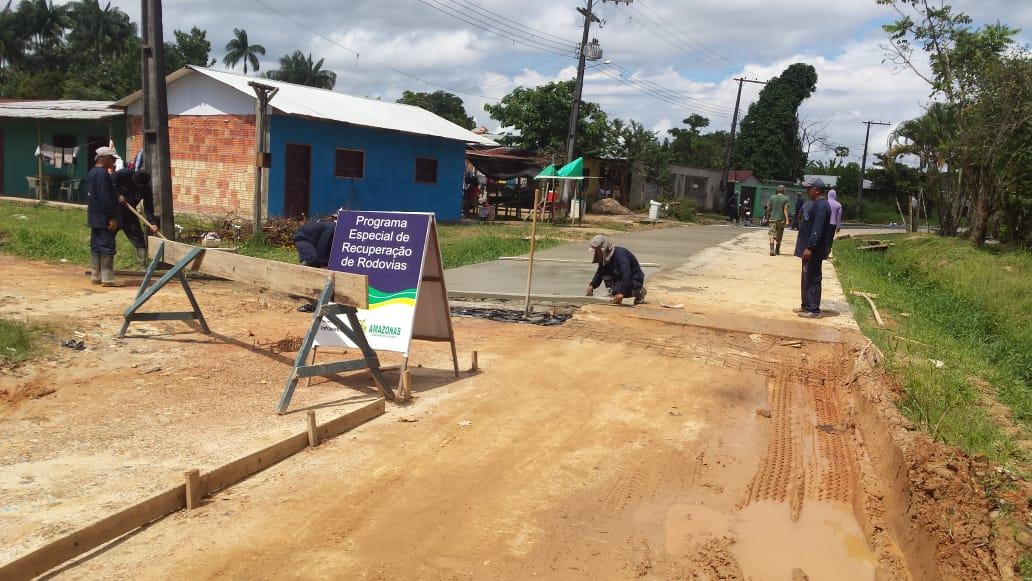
(239, 49)
(541, 116)
(440, 103)
(770, 143)
(692, 148)
(301, 69)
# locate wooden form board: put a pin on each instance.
(348, 289)
(86, 539)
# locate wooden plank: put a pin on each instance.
(240, 469)
(352, 420)
(193, 488)
(870, 301)
(46, 558)
(313, 429)
(348, 289)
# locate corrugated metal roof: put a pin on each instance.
(323, 104)
(66, 110)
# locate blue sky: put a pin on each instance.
(670, 58)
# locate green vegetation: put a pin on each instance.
(945, 301)
(17, 342)
(50, 233)
(463, 244)
(261, 248)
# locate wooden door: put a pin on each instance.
(298, 168)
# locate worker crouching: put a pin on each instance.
(618, 268)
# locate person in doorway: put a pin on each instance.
(812, 246)
(777, 217)
(134, 187)
(836, 217)
(618, 269)
(102, 216)
(314, 242)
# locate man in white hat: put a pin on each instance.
(619, 269)
(103, 215)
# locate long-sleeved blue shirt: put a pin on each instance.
(815, 230)
(102, 201)
(624, 270)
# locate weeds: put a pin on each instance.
(969, 309)
(17, 342)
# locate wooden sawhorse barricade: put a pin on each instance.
(341, 296)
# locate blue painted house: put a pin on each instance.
(328, 150)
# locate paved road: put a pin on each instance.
(669, 247)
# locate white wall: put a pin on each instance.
(196, 94)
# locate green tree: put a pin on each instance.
(101, 31)
(770, 144)
(642, 149)
(302, 70)
(12, 37)
(44, 24)
(540, 117)
(239, 49)
(440, 103)
(190, 48)
(690, 147)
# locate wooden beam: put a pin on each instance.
(348, 289)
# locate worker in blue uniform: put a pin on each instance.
(103, 216)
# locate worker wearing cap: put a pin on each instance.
(776, 220)
(619, 269)
(134, 187)
(103, 216)
(812, 246)
(314, 242)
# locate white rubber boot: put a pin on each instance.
(94, 268)
(107, 270)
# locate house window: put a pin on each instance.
(65, 141)
(426, 170)
(350, 163)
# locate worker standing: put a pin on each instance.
(103, 216)
(812, 246)
(134, 187)
(776, 220)
(618, 268)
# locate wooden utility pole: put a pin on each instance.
(578, 87)
(863, 166)
(155, 115)
(265, 93)
(731, 141)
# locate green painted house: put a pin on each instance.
(69, 131)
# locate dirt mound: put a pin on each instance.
(610, 206)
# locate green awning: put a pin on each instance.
(546, 174)
(573, 170)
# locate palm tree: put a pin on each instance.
(103, 30)
(928, 138)
(238, 49)
(44, 23)
(12, 41)
(302, 70)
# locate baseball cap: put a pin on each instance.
(598, 242)
(815, 183)
(106, 151)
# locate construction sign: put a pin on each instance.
(400, 255)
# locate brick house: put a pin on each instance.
(328, 150)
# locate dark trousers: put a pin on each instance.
(102, 241)
(811, 286)
(134, 230)
(307, 254)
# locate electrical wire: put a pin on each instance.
(443, 9)
(379, 63)
(674, 37)
(491, 15)
(660, 96)
(698, 103)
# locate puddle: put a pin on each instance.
(825, 543)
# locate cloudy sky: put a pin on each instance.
(670, 58)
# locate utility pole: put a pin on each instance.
(731, 140)
(265, 93)
(578, 89)
(155, 115)
(863, 166)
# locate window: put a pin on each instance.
(65, 141)
(350, 163)
(426, 170)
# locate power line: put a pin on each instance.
(674, 38)
(658, 95)
(381, 64)
(687, 37)
(699, 103)
(501, 18)
(433, 4)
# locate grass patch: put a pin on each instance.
(17, 342)
(464, 244)
(261, 248)
(970, 309)
(52, 234)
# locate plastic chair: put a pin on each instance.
(71, 188)
(33, 187)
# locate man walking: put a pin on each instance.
(103, 216)
(776, 219)
(812, 245)
(619, 269)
